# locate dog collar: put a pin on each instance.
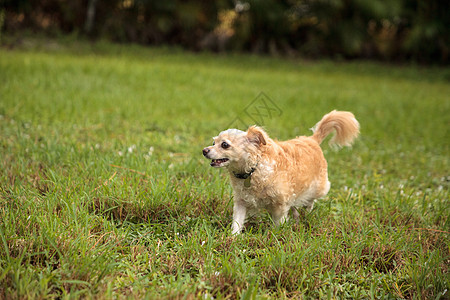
(246, 176)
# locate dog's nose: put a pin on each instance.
(205, 151)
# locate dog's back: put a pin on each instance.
(300, 170)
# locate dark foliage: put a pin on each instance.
(389, 30)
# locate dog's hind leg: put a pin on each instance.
(295, 214)
(310, 206)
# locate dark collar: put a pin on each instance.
(244, 175)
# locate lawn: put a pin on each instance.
(104, 192)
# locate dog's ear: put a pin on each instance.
(256, 135)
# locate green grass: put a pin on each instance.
(104, 192)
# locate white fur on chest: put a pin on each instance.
(260, 192)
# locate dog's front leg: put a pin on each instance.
(239, 214)
(280, 215)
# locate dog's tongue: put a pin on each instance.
(217, 162)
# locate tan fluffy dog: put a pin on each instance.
(274, 175)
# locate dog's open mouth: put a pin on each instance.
(218, 162)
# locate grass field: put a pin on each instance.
(104, 192)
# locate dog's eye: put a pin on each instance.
(225, 145)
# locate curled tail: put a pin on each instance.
(343, 122)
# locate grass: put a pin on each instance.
(104, 192)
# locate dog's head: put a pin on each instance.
(236, 148)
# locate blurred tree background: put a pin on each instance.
(390, 30)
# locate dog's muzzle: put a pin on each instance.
(214, 162)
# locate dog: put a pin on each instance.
(278, 175)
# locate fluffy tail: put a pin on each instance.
(343, 122)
